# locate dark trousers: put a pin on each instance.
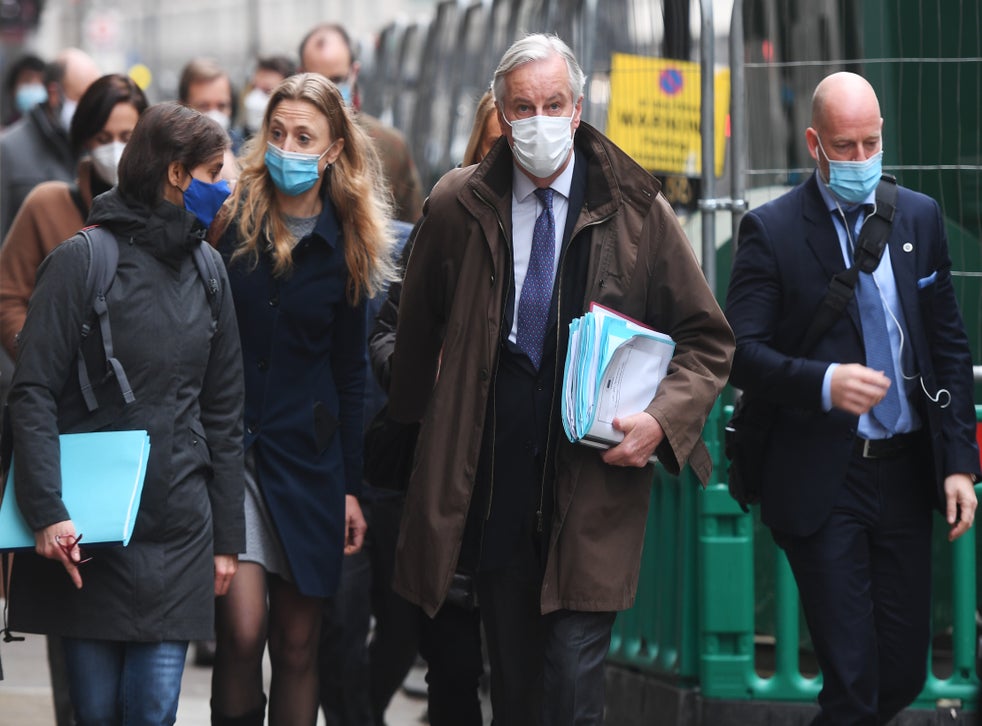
(359, 679)
(545, 669)
(865, 584)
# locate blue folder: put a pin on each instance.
(102, 477)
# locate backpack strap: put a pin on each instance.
(866, 258)
(204, 260)
(103, 259)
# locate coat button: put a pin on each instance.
(483, 375)
(251, 429)
(274, 301)
(262, 364)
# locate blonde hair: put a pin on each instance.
(485, 109)
(354, 184)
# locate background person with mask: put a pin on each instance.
(327, 49)
(54, 211)
(36, 148)
(23, 88)
(871, 430)
(206, 87)
(270, 71)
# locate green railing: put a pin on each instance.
(717, 605)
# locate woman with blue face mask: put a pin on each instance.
(126, 614)
(306, 242)
(54, 211)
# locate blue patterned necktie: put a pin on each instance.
(876, 338)
(533, 306)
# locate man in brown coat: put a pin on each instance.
(326, 49)
(552, 531)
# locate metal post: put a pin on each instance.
(738, 121)
(707, 114)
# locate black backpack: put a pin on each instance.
(103, 259)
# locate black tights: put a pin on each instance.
(243, 624)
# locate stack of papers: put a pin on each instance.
(102, 476)
(613, 368)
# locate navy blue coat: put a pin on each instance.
(788, 252)
(304, 354)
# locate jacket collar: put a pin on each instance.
(166, 231)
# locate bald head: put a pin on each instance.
(846, 122)
(842, 92)
(80, 71)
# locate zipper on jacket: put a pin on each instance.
(557, 380)
(497, 360)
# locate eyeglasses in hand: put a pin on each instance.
(67, 542)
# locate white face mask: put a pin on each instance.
(221, 118)
(105, 160)
(541, 144)
(255, 108)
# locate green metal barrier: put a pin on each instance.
(659, 633)
(695, 618)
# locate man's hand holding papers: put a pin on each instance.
(613, 368)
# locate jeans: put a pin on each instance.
(124, 683)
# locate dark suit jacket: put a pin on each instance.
(788, 252)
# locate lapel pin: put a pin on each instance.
(908, 247)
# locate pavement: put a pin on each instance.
(26, 699)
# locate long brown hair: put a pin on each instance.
(354, 184)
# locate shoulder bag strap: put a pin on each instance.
(866, 257)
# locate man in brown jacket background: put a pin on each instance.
(327, 49)
(507, 253)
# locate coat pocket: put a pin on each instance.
(199, 447)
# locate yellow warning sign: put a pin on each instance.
(654, 113)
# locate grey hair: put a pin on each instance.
(537, 47)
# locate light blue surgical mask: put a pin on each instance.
(293, 173)
(30, 95)
(204, 200)
(853, 181)
(344, 88)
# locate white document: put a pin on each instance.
(614, 366)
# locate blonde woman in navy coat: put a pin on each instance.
(306, 242)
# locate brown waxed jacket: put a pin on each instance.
(47, 218)
(457, 278)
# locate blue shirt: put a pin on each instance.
(869, 427)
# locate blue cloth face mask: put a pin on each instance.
(853, 181)
(293, 173)
(204, 200)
